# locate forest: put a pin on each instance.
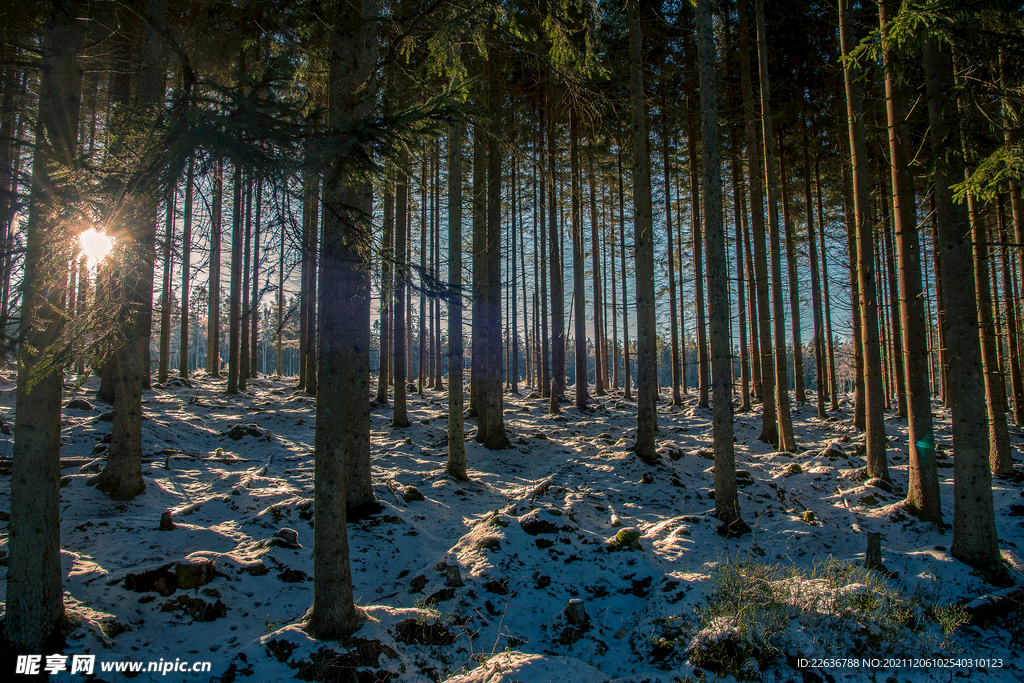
(522, 340)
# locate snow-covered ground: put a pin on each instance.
(528, 534)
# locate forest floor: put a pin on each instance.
(534, 529)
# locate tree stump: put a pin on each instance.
(873, 556)
(166, 523)
(453, 577)
(576, 613)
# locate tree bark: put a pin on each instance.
(727, 508)
(342, 440)
(186, 265)
(677, 399)
(400, 416)
(974, 530)
(923, 487)
(769, 421)
(456, 465)
(877, 464)
(35, 601)
(164, 362)
(213, 286)
(786, 441)
(579, 296)
(643, 241)
(235, 290)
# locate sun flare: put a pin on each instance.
(96, 245)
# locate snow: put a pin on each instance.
(531, 531)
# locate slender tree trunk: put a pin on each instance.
(491, 391)
(877, 464)
(1011, 319)
(677, 399)
(999, 439)
(234, 294)
(741, 299)
(35, 601)
(786, 441)
(769, 421)
(896, 324)
(627, 377)
(247, 261)
(386, 293)
(923, 486)
(600, 352)
(186, 264)
(165, 306)
(974, 529)
(821, 376)
(254, 315)
(213, 287)
(513, 322)
(421, 367)
(280, 292)
(400, 418)
(727, 508)
(698, 254)
(794, 283)
(312, 242)
(456, 465)
(578, 295)
(643, 241)
(557, 292)
(833, 383)
(479, 327)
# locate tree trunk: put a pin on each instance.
(35, 601)
(821, 376)
(833, 383)
(877, 464)
(492, 396)
(974, 529)
(741, 298)
(456, 465)
(727, 508)
(164, 363)
(1011, 319)
(794, 282)
(342, 440)
(643, 245)
(999, 439)
(677, 399)
(698, 256)
(786, 441)
(478, 344)
(121, 478)
(386, 290)
(186, 264)
(769, 421)
(280, 290)
(579, 297)
(923, 486)
(600, 352)
(254, 315)
(312, 240)
(557, 292)
(247, 262)
(213, 286)
(234, 293)
(422, 319)
(400, 417)
(627, 378)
